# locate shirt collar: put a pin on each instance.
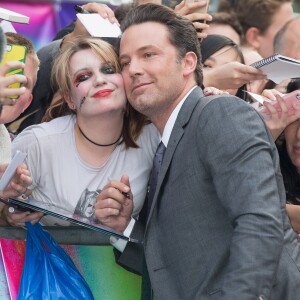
(172, 119)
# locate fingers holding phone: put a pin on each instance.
(11, 74)
(9, 94)
(197, 12)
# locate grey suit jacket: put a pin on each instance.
(218, 228)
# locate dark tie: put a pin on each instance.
(147, 293)
(157, 162)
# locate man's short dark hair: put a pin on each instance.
(182, 33)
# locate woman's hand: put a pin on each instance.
(18, 184)
(231, 75)
(114, 204)
(18, 218)
(214, 91)
(279, 115)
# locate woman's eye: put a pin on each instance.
(81, 78)
(108, 69)
(206, 66)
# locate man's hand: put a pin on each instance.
(113, 208)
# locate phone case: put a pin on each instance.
(13, 53)
(289, 99)
(293, 96)
(203, 9)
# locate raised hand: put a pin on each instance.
(190, 11)
(5, 81)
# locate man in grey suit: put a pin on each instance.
(217, 227)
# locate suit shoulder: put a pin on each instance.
(227, 105)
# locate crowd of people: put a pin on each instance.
(154, 135)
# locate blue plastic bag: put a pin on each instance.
(49, 273)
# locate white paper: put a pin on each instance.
(7, 26)
(98, 26)
(18, 158)
(259, 98)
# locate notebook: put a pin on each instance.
(52, 210)
(9, 15)
(278, 67)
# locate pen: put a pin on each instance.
(81, 10)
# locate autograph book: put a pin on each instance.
(52, 210)
(278, 67)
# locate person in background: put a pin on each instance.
(6, 92)
(260, 20)
(11, 113)
(218, 50)
(286, 42)
(287, 136)
(217, 226)
(28, 80)
(225, 24)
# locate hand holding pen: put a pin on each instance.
(114, 204)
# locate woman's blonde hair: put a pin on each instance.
(61, 81)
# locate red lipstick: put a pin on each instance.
(102, 94)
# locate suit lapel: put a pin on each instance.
(178, 131)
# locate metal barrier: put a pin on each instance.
(71, 235)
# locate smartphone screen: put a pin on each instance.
(14, 53)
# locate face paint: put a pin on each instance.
(82, 101)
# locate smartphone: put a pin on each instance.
(13, 53)
(289, 99)
(293, 96)
(201, 10)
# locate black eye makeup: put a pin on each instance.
(107, 68)
(80, 78)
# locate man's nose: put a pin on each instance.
(135, 67)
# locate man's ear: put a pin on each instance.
(253, 37)
(189, 63)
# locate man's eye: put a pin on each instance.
(148, 55)
(108, 69)
(206, 66)
(124, 64)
